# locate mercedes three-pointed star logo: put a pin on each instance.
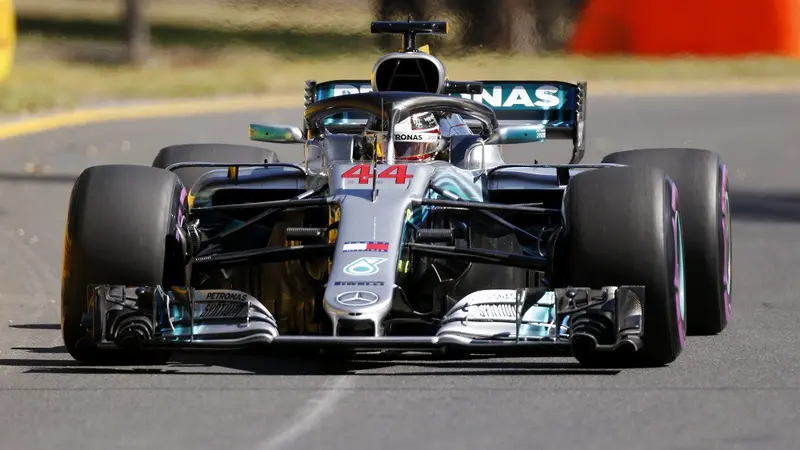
(357, 298)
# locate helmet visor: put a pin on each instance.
(415, 145)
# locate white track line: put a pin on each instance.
(308, 417)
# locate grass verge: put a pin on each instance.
(70, 55)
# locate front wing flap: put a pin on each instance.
(497, 321)
(124, 316)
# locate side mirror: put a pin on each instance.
(463, 87)
(518, 134)
(283, 134)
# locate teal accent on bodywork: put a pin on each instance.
(548, 102)
(233, 223)
(458, 182)
(274, 133)
(461, 183)
(543, 313)
(521, 134)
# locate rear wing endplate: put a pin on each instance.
(559, 106)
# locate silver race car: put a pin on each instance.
(402, 229)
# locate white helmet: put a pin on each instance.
(415, 139)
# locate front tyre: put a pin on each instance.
(623, 227)
(702, 179)
(122, 228)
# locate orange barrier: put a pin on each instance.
(694, 27)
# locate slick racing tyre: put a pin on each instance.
(213, 153)
(623, 227)
(702, 180)
(122, 228)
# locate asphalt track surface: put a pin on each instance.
(738, 390)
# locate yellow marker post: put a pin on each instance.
(8, 37)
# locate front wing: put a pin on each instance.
(491, 321)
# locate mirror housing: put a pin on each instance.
(518, 134)
(463, 87)
(282, 134)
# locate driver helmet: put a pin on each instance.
(416, 138)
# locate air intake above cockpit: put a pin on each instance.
(411, 72)
(410, 69)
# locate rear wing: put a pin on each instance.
(559, 106)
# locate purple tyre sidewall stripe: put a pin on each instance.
(179, 219)
(677, 270)
(725, 255)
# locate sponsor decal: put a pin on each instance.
(416, 137)
(364, 266)
(226, 296)
(357, 298)
(497, 96)
(423, 122)
(358, 283)
(518, 96)
(365, 247)
(222, 310)
(349, 89)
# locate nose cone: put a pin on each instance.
(369, 239)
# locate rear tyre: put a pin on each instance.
(702, 180)
(122, 227)
(214, 153)
(623, 228)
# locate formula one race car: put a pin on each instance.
(403, 229)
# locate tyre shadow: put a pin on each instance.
(39, 178)
(188, 364)
(764, 206)
(256, 361)
(37, 326)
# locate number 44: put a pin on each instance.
(363, 173)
